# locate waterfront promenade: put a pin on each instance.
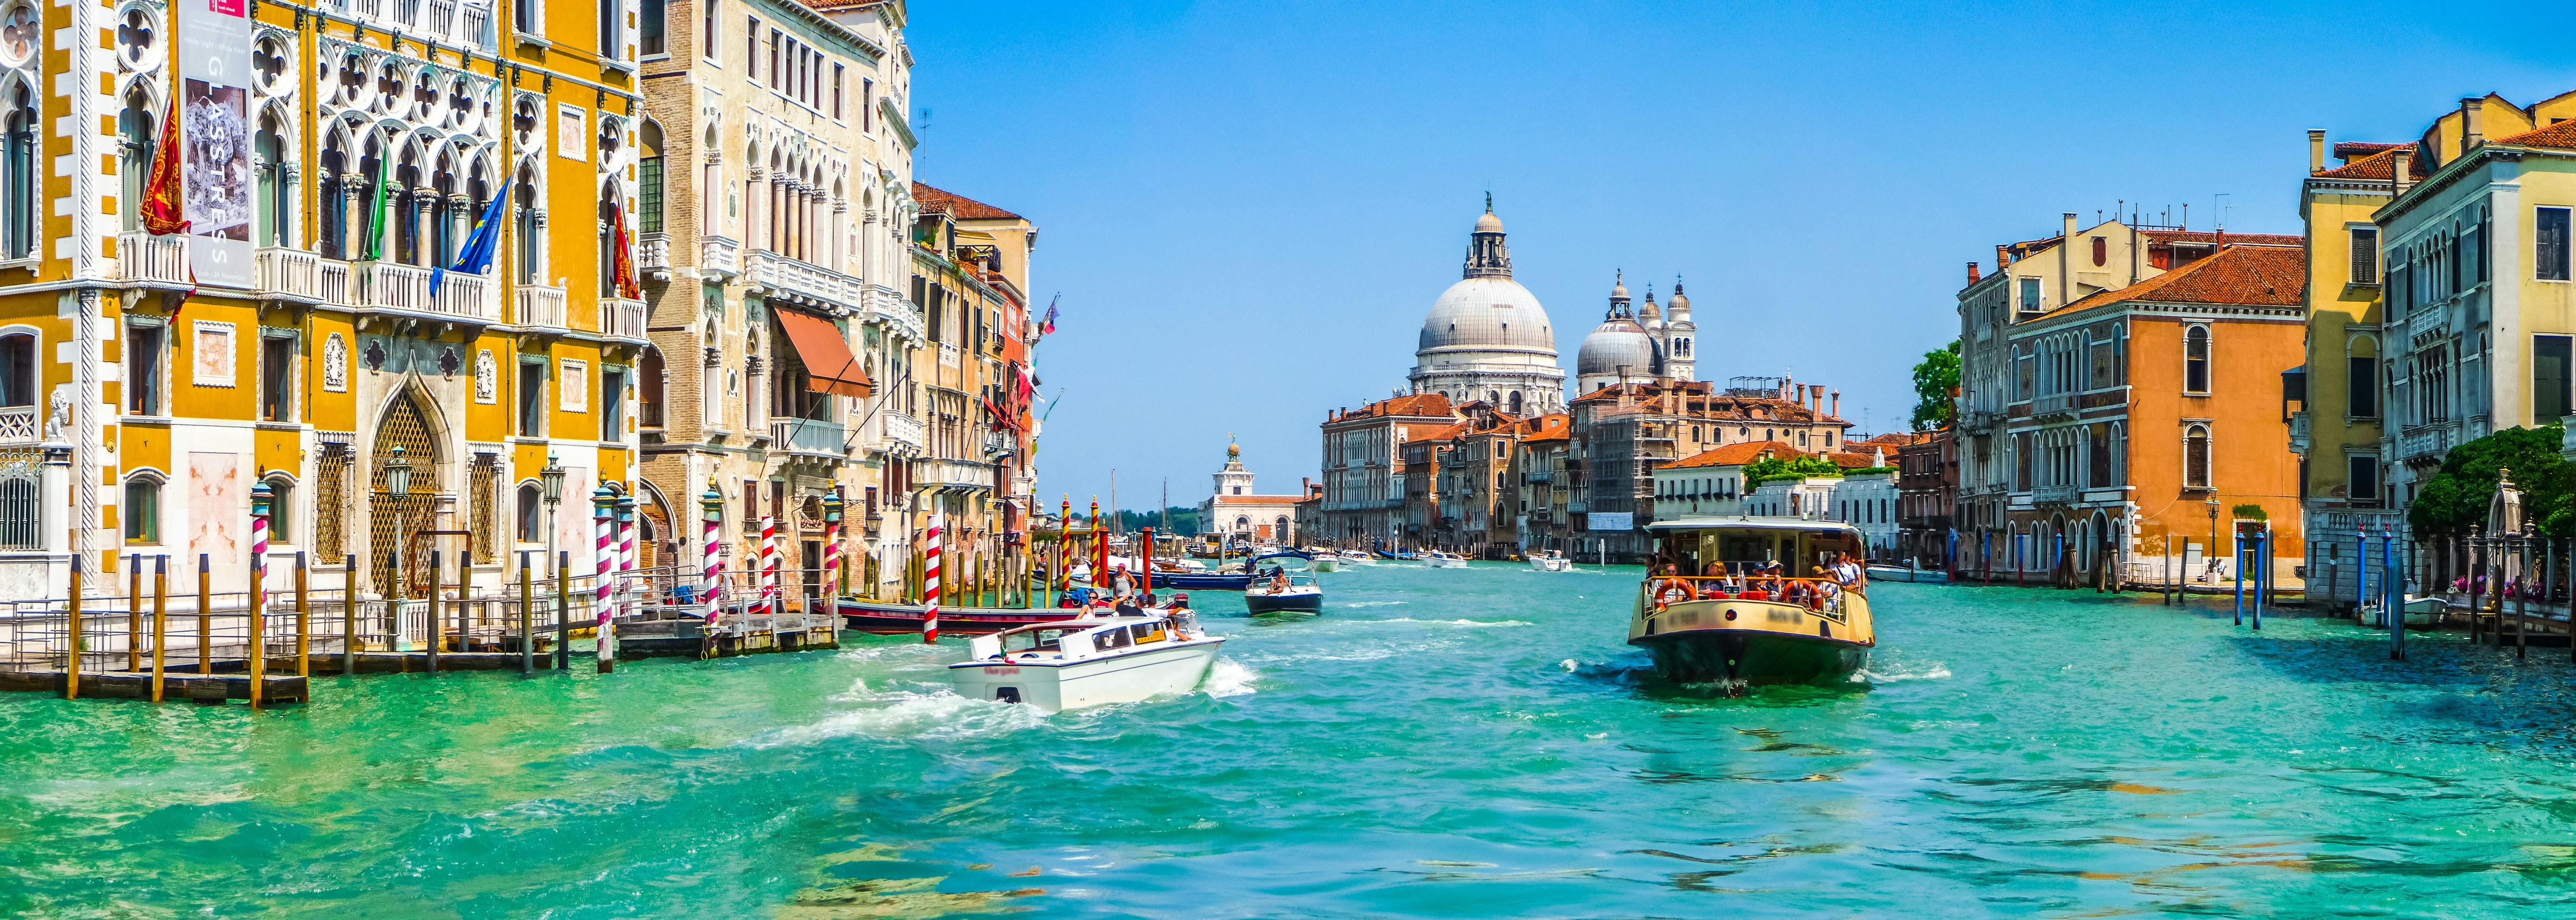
(1439, 743)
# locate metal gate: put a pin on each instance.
(403, 424)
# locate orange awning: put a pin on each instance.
(827, 358)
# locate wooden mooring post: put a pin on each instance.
(205, 613)
(437, 629)
(303, 622)
(527, 621)
(563, 610)
(160, 618)
(71, 669)
(134, 614)
(349, 614)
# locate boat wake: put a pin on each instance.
(1467, 623)
(1229, 678)
(1902, 672)
(1373, 604)
(907, 714)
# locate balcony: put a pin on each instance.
(2298, 432)
(20, 425)
(2427, 321)
(154, 260)
(2053, 404)
(799, 279)
(653, 255)
(719, 256)
(902, 429)
(955, 475)
(292, 273)
(621, 319)
(446, 21)
(2424, 442)
(897, 315)
(538, 306)
(808, 436)
(405, 288)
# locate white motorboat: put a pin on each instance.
(1088, 662)
(1355, 557)
(1551, 561)
(1283, 593)
(1326, 562)
(1441, 560)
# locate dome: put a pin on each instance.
(1487, 313)
(1489, 223)
(1618, 342)
(1679, 302)
(1619, 288)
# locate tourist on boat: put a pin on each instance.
(1127, 606)
(1849, 574)
(1673, 589)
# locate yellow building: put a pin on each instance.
(136, 420)
(2336, 427)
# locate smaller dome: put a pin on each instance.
(1619, 287)
(1618, 342)
(1680, 301)
(1489, 223)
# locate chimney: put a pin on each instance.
(1972, 272)
(2471, 135)
(2402, 173)
(1838, 405)
(2065, 270)
(2316, 150)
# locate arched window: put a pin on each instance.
(134, 129)
(528, 236)
(18, 370)
(18, 162)
(648, 169)
(281, 508)
(2195, 360)
(270, 202)
(333, 235)
(531, 514)
(1242, 523)
(2195, 457)
(142, 509)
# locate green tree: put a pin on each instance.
(2456, 497)
(1772, 468)
(1934, 378)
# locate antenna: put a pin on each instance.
(2218, 203)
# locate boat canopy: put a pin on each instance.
(1720, 522)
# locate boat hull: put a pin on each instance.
(1894, 573)
(1292, 603)
(1745, 656)
(1438, 563)
(1143, 674)
(905, 619)
(1544, 564)
(1178, 581)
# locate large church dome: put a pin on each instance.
(1487, 313)
(1487, 337)
(1619, 345)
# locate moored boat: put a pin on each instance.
(1758, 622)
(1284, 593)
(1089, 662)
(1909, 574)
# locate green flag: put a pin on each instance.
(381, 213)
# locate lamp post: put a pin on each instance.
(2213, 528)
(398, 488)
(553, 476)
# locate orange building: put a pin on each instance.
(2149, 412)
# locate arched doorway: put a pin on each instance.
(404, 425)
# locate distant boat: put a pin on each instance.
(1328, 562)
(1551, 561)
(1355, 557)
(1441, 560)
(1903, 573)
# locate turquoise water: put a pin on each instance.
(1442, 743)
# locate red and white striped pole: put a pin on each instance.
(769, 564)
(712, 504)
(605, 526)
(626, 578)
(832, 551)
(930, 583)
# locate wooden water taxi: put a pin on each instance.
(1754, 621)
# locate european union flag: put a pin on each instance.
(476, 257)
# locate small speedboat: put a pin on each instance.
(1907, 573)
(1441, 560)
(1088, 662)
(1326, 562)
(1551, 561)
(1284, 594)
(1355, 557)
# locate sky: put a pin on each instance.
(1247, 208)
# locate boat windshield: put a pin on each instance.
(1129, 635)
(1719, 550)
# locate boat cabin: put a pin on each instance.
(1743, 545)
(1072, 639)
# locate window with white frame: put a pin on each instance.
(2549, 244)
(2365, 255)
(2195, 457)
(2195, 360)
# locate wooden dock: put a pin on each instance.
(203, 688)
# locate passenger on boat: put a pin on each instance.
(1127, 606)
(1278, 581)
(1672, 588)
(1849, 573)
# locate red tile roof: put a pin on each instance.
(2560, 136)
(1854, 460)
(1552, 427)
(2380, 165)
(956, 205)
(1736, 454)
(2207, 236)
(2252, 275)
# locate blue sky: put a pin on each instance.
(1247, 208)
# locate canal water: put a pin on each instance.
(1441, 743)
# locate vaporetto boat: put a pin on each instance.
(1754, 621)
(1088, 661)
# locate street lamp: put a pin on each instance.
(2213, 529)
(553, 477)
(397, 487)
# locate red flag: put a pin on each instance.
(164, 207)
(623, 260)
